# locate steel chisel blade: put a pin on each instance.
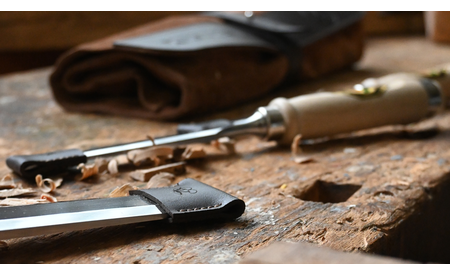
(39, 219)
(189, 200)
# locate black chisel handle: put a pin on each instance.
(52, 163)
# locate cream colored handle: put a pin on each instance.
(322, 114)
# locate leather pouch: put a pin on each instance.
(187, 65)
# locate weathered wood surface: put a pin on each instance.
(306, 253)
(399, 210)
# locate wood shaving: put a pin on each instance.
(153, 154)
(145, 175)
(151, 139)
(193, 152)
(122, 190)
(102, 164)
(303, 159)
(47, 185)
(296, 149)
(295, 146)
(160, 180)
(7, 182)
(7, 177)
(113, 167)
(21, 201)
(49, 198)
(87, 170)
(122, 160)
(114, 164)
(225, 144)
(16, 192)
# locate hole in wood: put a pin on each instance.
(328, 192)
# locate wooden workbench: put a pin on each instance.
(397, 183)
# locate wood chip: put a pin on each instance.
(145, 175)
(21, 201)
(47, 185)
(102, 164)
(153, 154)
(7, 182)
(225, 144)
(87, 170)
(151, 139)
(122, 160)
(295, 146)
(161, 179)
(7, 177)
(303, 159)
(122, 190)
(193, 152)
(295, 150)
(16, 192)
(114, 164)
(113, 167)
(49, 198)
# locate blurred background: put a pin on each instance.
(36, 39)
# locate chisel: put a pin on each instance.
(187, 201)
(401, 98)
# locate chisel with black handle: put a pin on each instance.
(401, 98)
(187, 201)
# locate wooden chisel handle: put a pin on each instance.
(393, 99)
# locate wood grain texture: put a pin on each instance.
(306, 253)
(400, 208)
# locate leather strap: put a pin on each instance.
(192, 200)
(301, 27)
(194, 37)
(289, 31)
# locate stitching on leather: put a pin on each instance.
(200, 208)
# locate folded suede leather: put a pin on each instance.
(166, 85)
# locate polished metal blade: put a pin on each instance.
(265, 122)
(50, 218)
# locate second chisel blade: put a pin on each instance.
(32, 220)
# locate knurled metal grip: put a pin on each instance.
(191, 200)
(52, 163)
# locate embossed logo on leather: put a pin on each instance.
(185, 190)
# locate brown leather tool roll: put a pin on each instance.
(193, 64)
